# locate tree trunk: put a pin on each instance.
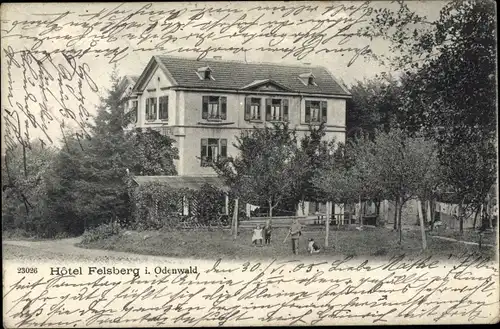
(400, 224)
(360, 217)
(481, 212)
(333, 211)
(396, 207)
(327, 223)
(234, 224)
(490, 217)
(386, 212)
(432, 205)
(461, 218)
(422, 227)
(417, 220)
(424, 211)
(24, 160)
(475, 217)
(226, 204)
(270, 209)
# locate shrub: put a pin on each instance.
(100, 232)
(157, 206)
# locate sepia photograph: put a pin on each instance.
(261, 163)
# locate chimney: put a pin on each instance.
(218, 57)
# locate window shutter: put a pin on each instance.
(204, 151)
(285, 110)
(248, 104)
(259, 114)
(223, 108)
(308, 111)
(324, 112)
(223, 148)
(150, 110)
(155, 116)
(268, 109)
(204, 109)
(164, 108)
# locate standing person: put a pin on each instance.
(267, 233)
(257, 235)
(295, 233)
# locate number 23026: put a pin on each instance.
(26, 270)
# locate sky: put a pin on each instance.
(103, 33)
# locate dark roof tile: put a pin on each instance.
(236, 75)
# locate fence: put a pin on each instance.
(285, 221)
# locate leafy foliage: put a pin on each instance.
(156, 205)
(268, 168)
(84, 184)
(375, 104)
(159, 206)
(154, 153)
(448, 89)
(24, 191)
(315, 152)
(100, 232)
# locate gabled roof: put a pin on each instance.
(235, 75)
(128, 80)
(258, 83)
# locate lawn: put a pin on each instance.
(489, 237)
(201, 244)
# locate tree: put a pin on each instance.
(402, 164)
(25, 173)
(154, 154)
(374, 105)
(449, 88)
(316, 152)
(91, 186)
(268, 168)
(365, 179)
(336, 182)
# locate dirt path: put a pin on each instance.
(65, 250)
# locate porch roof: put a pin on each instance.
(179, 182)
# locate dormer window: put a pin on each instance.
(205, 73)
(307, 79)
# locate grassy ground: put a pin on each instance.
(20, 234)
(468, 235)
(376, 242)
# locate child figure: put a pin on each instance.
(257, 235)
(312, 248)
(267, 233)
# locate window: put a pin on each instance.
(164, 108)
(212, 149)
(134, 111)
(151, 108)
(315, 111)
(276, 109)
(214, 108)
(252, 108)
(204, 73)
(307, 79)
